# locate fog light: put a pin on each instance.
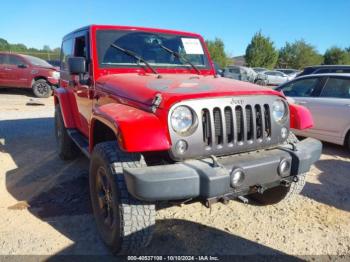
(284, 132)
(284, 167)
(181, 147)
(237, 177)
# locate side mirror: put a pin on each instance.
(76, 65)
(22, 66)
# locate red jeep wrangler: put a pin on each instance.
(158, 125)
(24, 71)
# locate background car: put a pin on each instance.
(327, 96)
(24, 71)
(272, 78)
(240, 73)
(259, 69)
(323, 69)
(55, 63)
(290, 72)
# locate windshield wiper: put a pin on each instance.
(179, 56)
(136, 56)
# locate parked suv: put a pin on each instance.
(156, 122)
(324, 69)
(24, 71)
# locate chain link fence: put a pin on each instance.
(43, 55)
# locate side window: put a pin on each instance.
(300, 88)
(2, 59)
(80, 47)
(66, 51)
(344, 70)
(14, 60)
(336, 88)
(234, 70)
(270, 73)
(322, 71)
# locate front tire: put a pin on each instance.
(124, 223)
(42, 89)
(280, 193)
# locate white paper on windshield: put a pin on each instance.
(192, 46)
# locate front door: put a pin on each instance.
(82, 89)
(16, 71)
(2, 70)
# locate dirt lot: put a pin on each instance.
(45, 209)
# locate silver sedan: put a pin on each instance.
(272, 78)
(327, 96)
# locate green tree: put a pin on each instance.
(46, 48)
(4, 45)
(298, 55)
(336, 56)
(217, 52)
(261, 52)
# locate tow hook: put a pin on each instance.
(295, 179)
(260, 189)
(243, 199)
(285, 183)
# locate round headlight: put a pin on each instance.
(279, 110)
(182, 119)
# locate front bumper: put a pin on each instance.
(205, 180)
(53, 81)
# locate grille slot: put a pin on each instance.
(249, 121)
(229, 124)
(258, 122)
(240, 123)
(218, 126)
(207, 137)
(236, 124)
(267, 120)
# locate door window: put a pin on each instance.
(14, 60)
(336, 88)
(2, 59)
(300, 88)
(66, 51)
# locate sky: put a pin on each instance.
(323, 23)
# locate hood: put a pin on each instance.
(174, 88)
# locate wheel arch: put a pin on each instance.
(135, 130)
(61, 98)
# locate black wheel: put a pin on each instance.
(347, 141)
(281, 193)
(67, 150)
(42, 89)
(125, 223)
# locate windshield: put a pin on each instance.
(37, 61)
(149, 46)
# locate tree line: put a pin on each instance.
(45, 53)
(261, 52)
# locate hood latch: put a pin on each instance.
(156, 102)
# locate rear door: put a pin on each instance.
(333, 109)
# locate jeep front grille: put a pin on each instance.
(229, 125)
(243, 124)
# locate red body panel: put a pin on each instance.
(136, 129)
(300, 117)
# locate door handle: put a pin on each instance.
(8, 69)
(301, 102)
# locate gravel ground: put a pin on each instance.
(45, 207)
